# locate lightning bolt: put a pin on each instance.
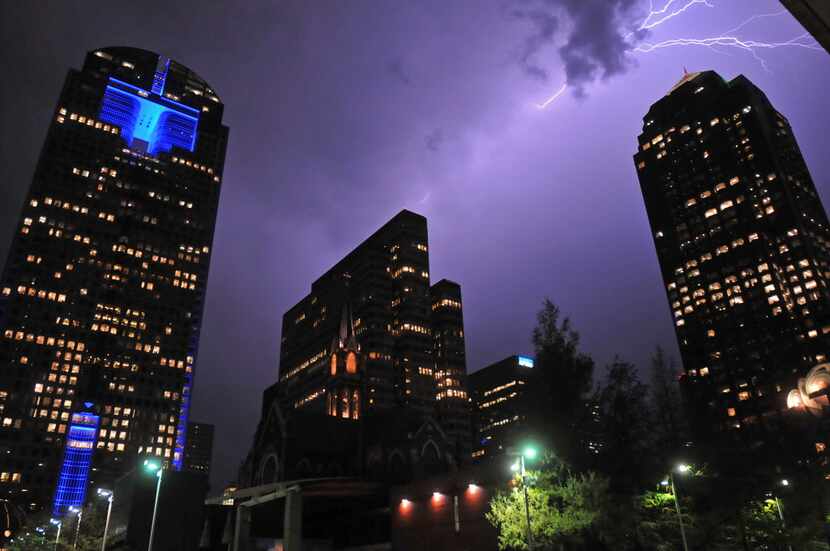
(656, 18)
(553, 98)
(729, 39)
(751, 46)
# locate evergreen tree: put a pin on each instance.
(669, 427)
(626, 426)
(560, 383)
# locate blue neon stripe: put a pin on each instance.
(136, 89)
(74, 473)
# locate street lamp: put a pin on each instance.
(109, 495)
(529, 452)
(784, 483)
(57, 523)
(80, 514)
(682, 469)
(155, 467)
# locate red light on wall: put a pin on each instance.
(473, 489)
(405, 504)
(437, 497)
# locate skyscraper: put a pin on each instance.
(371, 338)
(199, 449)
(815, 16)
(384, 285)
(102, 295)
(502, 405)
(450, 357)
(743, 245)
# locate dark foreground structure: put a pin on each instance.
(102, 295)
(180, 516)
(815, 16)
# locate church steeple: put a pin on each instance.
(344, 386)
(345, 338)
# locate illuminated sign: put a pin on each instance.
(77, 457)
(524, 361)
(158, 122)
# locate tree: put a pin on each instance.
(561, 381)
(29, 538)
(564, 508)
(669, 429)
(625, 427)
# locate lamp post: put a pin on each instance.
(682, 469)
(109, 495)
(784, 483)
(529, 452)
(80, 513)
(156, 468)
(57, 523)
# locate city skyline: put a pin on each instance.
(486, 134)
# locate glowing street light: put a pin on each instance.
(80, 514)
(57, 523)
(682, 469)
(109, 495)
(153, 466)
(529, 452)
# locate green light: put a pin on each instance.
(151, 466)
(530, 452)
(683, 468)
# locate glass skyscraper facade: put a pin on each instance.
(744, 248)
(102, 295)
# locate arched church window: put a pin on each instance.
(344, 403)
(356, 404)
(351, 363)
(334, 364)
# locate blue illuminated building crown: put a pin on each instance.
(159, 123)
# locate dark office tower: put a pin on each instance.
(815, 16)
(453, 406)
(502, 405)
(102, 295)
(368, 359)
(199, 448)
(383, 287)
(742, 240)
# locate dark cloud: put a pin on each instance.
(545, 24)
(396, 68)
(435, 139)
(595, 43)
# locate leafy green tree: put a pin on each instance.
(29, 538)
(561, 382)
(565, 508)
(658, 528)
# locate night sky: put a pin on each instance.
(342, 113)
